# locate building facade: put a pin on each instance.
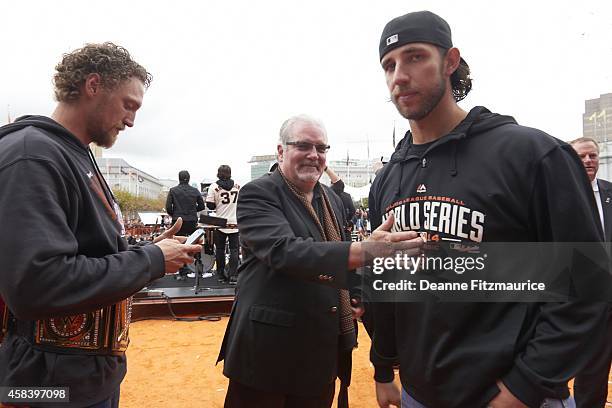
(260, 165)
(597, 118)
(120, 175)
(354, 172)
(96, 150)
(167, 185)
(597, 124)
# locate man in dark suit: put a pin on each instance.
(184, 201)
(291, 331)
(591, 385)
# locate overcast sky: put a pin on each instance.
(226, 74)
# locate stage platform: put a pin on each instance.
(167, 296)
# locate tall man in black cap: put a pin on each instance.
(506, 182)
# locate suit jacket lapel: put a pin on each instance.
(310, 223)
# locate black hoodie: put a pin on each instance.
(509, 183)
(61, 253)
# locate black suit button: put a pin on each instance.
(333, 309)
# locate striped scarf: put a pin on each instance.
(330, 231)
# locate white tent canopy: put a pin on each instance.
(357, 193)
(151, 218)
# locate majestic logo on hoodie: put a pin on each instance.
(421, 189)
(442, 218)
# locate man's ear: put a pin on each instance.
(452, 60)
(92, 85)
(279, 152)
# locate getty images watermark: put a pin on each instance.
(491, 271)
(458, 264)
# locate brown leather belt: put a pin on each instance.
(103, 331)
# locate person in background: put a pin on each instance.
(222, 197)
(337, 186)
(591, 384)
(184, 201)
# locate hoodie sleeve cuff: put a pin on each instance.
(522, 388)
(157, 264)
(383, 373)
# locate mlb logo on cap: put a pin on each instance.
(392, 39)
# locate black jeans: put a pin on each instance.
(591, 384)
(241, 396)
(110, 402)
(187, 228)
(220, 239)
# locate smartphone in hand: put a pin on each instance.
(195, 236)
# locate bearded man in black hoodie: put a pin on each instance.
(503, 183)
(66, 271)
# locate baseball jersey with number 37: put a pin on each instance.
(225, 202)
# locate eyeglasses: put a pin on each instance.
(307, 147)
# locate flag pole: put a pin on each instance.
(348, 173)
(368, 162)
(605, 129)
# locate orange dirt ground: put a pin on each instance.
(172, 364)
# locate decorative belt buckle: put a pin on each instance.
(104, 330)
(82, 331)
(123, 317)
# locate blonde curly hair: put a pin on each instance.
(112, 62)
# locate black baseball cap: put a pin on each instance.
(419, 26)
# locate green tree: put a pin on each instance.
(130, 204)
